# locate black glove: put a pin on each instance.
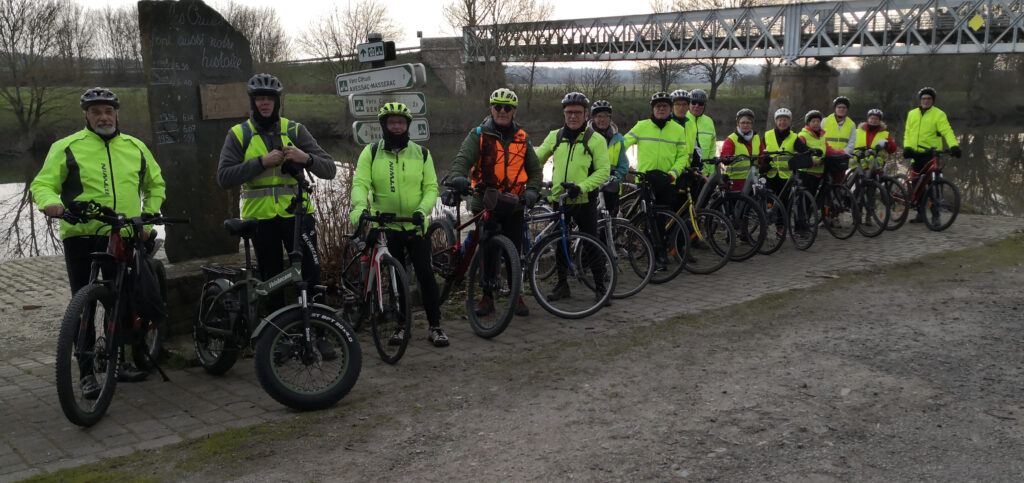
(573, 190)
(363, 215)
(697, 163)
(658, 177)
(450, 198)
(817, 153)
(460, 185)
(955, 151)
(908, 153)
(417, 218)
(530, 197)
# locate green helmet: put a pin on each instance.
(504, 96)
(394, 109)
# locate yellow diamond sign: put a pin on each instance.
(977, 22)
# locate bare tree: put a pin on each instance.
(75, 40)
(119, 34)
(596, 83)
(28, 42)
(261, 25)
(338, 33)
(663, 72)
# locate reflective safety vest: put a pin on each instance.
(738, 170)
(836, 137)
(879, 154)
(779, 164)
(269, 194)
(501, 169)
(928, 130)
(663, 149)
(814, 142)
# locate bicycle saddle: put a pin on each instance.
(243, 228)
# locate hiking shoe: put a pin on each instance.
(398, 337)
(129, 373)
(327, 352)
(521, 309)
(560, 292)
(485, 307)
(90, 388)
(438, 337)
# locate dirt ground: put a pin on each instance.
(911, 373)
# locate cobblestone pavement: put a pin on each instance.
(36, 438)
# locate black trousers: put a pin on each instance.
(275, 233)
(410, 246)
(508, 224)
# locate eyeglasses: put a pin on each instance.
(574, 113)
(503, 107)
(696, 103)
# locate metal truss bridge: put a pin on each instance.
(789, 32)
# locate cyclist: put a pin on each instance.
(681, 114)
(101, 164)
(264, 155)
(782, 138)
(601, 123)
(399, 176)
(812, 140)
(926, 128)
(586, 167)
(743, 141)
(874, 133)
(706, 136)
(840, 127)
(662, 151)
(500, 155)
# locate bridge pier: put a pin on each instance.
(444, 56)
(801, 89)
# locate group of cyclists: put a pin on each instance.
(265, 155)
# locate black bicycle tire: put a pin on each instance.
(778, 207)
(213, 363)
(834, 192)
(672, 251)
(80, 303)
(542, 298)
(724, 254)
(622, 292)
(930, 194)
(381, 332)
(441, 258)
(750, 208)
(515, 287)
(898, 195)
(877, 227)
(140, 347)
(321, 321)
(810, 207)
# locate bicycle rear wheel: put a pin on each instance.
(673, 243)
(942, 204)
(748, 220)
(803, 219)
(216, 352)
(633, 256)
(900, 202)
(442, 239)
(584, 274)
(777, 221)
(493, 291)
(838, 212)
(712, 242)
(391, 317)
(874, 202)
(87, 355)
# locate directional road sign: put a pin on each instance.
(401, 76)
(367, 132)
(371, 52)
(367, 105)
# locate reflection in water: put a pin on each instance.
(989, 176)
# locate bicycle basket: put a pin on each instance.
(836, 164)
(499, 202)
(801, 161)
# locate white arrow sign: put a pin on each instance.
(391, 78)
(367, 132)
(371, 52)
(368, 105)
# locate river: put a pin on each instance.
(989, 176)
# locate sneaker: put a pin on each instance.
(560, 292)
(397, 337)
(485, 307)
(521, 309)
(327, 352)
(90, 388)
(438, 337)
(128, 373)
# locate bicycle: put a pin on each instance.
(492, 275)
(631, 250)
(747, 217)
(712, 237)
(94, 356)
(803, 216)
(837, 204)
(771, 205)
(380, 292)
(662, 227)
(929, 190)
(305, 357)
(872, 198)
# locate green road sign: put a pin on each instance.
(367, 132)
(367, 105)
(391, 78)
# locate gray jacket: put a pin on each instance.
(233, 170)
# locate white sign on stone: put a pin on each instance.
(371, 52)
(368, 105)
(367, 132)
(391, 78)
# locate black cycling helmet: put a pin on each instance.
(576, 99)
(811, 115)
(875, 112)
(264, 85)
(841, 100)
(927, 90)
(680, 94)
(99, 95)
(698, 95)
(601, 106)
(661, 97)
(745, 113)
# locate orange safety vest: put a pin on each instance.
(498, 168)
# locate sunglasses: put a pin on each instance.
(502, 107)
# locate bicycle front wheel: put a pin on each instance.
(874, 202)
(494, 286)
(839, 211)
(87, 355)
(942, 204)
(670, 240)
(584, 274)
(391, 317)
(632, 253)
(777, 222)
(303, 379)
(803, 219)
(899, 203)
(713, 241)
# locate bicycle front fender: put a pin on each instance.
(267, 321)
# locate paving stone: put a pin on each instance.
(18, 473)
(159, 442)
